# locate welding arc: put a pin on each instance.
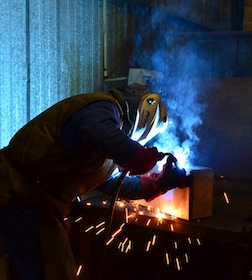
(110, 220)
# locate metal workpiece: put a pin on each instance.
(192, 202)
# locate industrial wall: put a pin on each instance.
(52, 49)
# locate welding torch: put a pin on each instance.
(171, 158)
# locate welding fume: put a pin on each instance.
(68, 150)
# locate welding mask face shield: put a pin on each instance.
(147, 113)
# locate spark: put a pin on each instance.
(178, 264)
(148, 246)
(167, 259)
(88, 203)
(198, 241)
(79, 270)
(122, 244)
(104, 202)
(186, 258)
(99, 231)
(148, 222)
(78, 219)
(130, 216)
(100, 224)
(136, 220)
(172, 227)
(176, 245)
(189, 240)
(126, 215)
(110, 240)
(226, 197)
(141, 212)
(78, 198)
(90, 228)
(154, 239)
(129, 247)
(65, 219)
(116, 232)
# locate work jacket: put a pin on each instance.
(36, 168)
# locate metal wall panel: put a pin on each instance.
(65, 50)
(50, 49)
(43, 55)
(13, 68)
(119, 37)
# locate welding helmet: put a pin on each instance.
(147, 113)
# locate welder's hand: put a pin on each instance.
(158, 183)
(143, 161)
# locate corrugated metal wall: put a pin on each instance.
(52, 49)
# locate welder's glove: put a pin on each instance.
(143, 160)
(158, 183)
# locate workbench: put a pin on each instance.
(226, 235)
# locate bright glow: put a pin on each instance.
(160, 216)
(120, 204)
(182, 154)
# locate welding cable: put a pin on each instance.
(110, 220)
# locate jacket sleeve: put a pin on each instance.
(130, 189)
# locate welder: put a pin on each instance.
(72, 148)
